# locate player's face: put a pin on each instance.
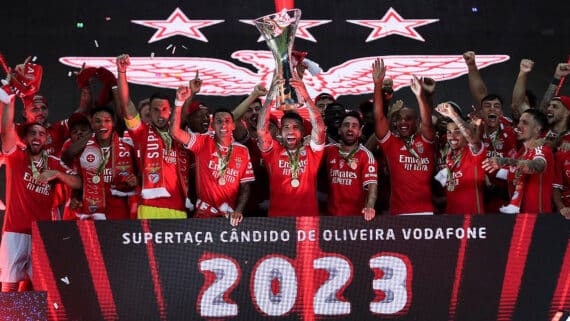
(251, 114)
(36, 113)
(492, 111)
(323, 103)
(36, 139)
(555, 112)
(199, 121)
(102, 124)
(527, 128)
(223, 125)
(350, 131)
(333, 116)
(79, 131)
(291, 133)
(145, 114)
(454, 136)
(159, 113)
(406, 122)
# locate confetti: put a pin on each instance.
(107, 18)
(65, 280)
(183, 46)
(96, 44)
(66, 238)
(474, 9)
(69, 74)
(152, 54)
(169, 46)
(34, 58)
(55, 305)
(173, 50)
(79, 25)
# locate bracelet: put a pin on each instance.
(555, 81)
(121, 72)
(178, 103)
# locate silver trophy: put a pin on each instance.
(279, 29)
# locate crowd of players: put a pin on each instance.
(171, 159)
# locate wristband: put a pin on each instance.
(133, 123)
(178, 103)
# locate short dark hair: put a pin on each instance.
(159, 95)
(538, 116)
(354, 114)
(29, 126)
(222, 110)
(292, 115)
(104, 108)
(492, 97)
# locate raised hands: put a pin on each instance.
(182, 93)
(446, 110)
(378, 71)
(417, 86)
(469, 57)
(259, 90)
(123, 62)
(562, 70)
(196, 83)
(526, 65)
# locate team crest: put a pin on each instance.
(238, 162)
(153, 177)
(90, 158)
(500, 144)
(420, 147)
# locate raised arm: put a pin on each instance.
(476, 83)
(241, 109)
(264, 138)
(466, 129)
(381, 122)
(129, 110)
(318, 133)
(562, 70)
(181, 135)
(9, 135)
(426, 127)
(519, 90)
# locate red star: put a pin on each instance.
(177, 24)
(393, 23)
(302, 27)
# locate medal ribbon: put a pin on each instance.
(166, 138)
(223, 161)
(105, 155)
(494, 140)
(452, 163)
(42, 165)
(348, 157)
(294, 161)
(410, 148)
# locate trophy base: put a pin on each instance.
(289, 107)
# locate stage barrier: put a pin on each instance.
(491, 267)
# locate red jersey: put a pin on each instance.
(57, 134)
(164, 164)
(348, 178)
(285, 199)
(501, 143)
(465, 182)
(537, 192)
(562, 176)
(410, 175)
(108, 180)
(214, 184)
(27, 199)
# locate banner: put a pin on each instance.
(309, 268)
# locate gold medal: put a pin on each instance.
(450, 186)
(222, 181)
(295, 183)
(96, 179)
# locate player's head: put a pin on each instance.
(292, 130)
(350, 128)
(160, 110)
